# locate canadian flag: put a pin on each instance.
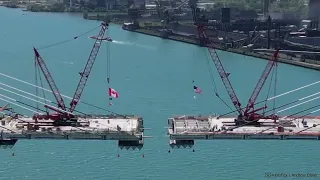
(113, 93)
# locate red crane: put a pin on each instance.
(223, 74)
(40, 62)
(86, 72)
(84, 76)
(249, 113)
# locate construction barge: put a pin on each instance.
(184, 130)
(127, 130)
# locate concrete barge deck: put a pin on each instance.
(184, 130)
(127, 130)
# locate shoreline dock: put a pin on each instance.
(309, 64)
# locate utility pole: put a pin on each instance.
(269, 28)
(266, 4)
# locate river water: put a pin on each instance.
(154, 79)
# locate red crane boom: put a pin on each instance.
(50, 81)
(249, 111)
(86, 72)
(220, 69)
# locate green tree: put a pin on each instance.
(290, 6)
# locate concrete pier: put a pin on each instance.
(184, 130)
(127, 130)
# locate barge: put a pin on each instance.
(128, 130)
(184, 130)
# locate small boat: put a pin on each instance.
(102, 38)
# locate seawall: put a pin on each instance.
(310, 64)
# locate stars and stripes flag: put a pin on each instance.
(197, 90)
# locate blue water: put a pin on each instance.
(154, 80)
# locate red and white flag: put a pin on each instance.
(113, 93)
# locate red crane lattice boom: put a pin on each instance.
(220, 69)
(250, 106)
(249, 112)
(86, 72)
(50, 81)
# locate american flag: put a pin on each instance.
(197, 90)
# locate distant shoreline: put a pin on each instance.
(266, 56)
(310, 64)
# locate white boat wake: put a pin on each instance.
(68, 62)
(134, 44)
(131, 44)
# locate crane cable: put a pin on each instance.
(269, 89)
(278, 96)
(37, 71)
(43, 93)
(292, 115)
(36, 81)
(108, 69)
(68, 40)
(38, 75)
(30, 94)
(275, 88)
(108, 63)
(68, 97)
